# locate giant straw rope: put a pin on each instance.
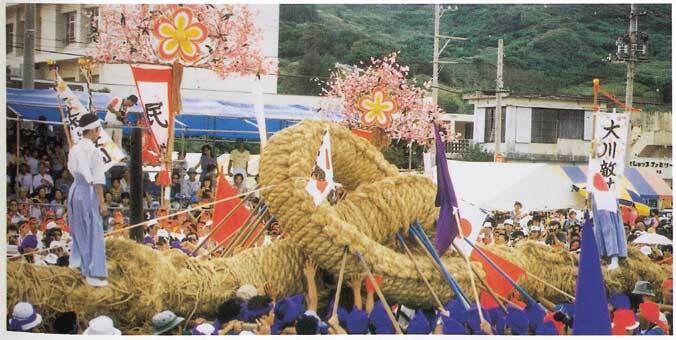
(380, 202)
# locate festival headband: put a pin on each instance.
(93, 125)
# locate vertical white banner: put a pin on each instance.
(154, 88)
(258, 105)
(607, 162)
(606, 165)
(73, 110)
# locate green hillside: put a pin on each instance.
(549, 49)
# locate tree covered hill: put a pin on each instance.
(549, 49)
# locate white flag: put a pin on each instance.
(471, 221)
(73, 110)
(321, 184)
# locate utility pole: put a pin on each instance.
(435, 63)
(498, 103)
(631, 60)
(28, 81)
(438, 13)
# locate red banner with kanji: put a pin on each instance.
(156, 91)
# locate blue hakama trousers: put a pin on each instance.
(86, 228)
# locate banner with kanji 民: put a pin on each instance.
(154, 84)
(606, 165)
(73, 110)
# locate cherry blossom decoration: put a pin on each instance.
(222, 38)
(381, 95)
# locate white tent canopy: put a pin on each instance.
(496, 186)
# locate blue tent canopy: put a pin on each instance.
(231, 119)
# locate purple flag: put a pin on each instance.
(447, 226)
(591, 305)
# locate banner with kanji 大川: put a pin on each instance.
(606, 164)
(154, 85)
(73, 110)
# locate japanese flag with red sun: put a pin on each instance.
(321, 184)
(471, 221)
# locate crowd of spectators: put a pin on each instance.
(561, 230)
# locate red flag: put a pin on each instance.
(224, 190)
(494, 279)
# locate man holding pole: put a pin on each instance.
(86, 204)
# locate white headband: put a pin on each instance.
(93, 125)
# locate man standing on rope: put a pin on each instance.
(117, 116)
(86, 204)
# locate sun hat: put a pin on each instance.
(508, 221)
(101, 325)
(623, 319)
(204, 329)
(488, 225)
(165, 321)
(643, 288)
(246, 292)
(24, 317)
(192, 171)
(51, 225)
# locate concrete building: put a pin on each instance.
(62, 34)
(558, 129)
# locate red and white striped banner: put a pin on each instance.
(154, 85)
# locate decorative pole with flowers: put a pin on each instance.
(221, 38)
(380, 99)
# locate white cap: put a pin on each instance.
(52, 225)
(205, 329)
(488, 225)
(101, 325)
(646, 250)
(162, 233)
(508, 221)
(246, 333)
(246, 292)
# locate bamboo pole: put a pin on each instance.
(417, 268)
(380, 294)
(63, 120)
(258, 235)
(234, 234)
(469, 267)
(238, 240)
(438, 265)
(218, 226)
(237, 234)
(340, 282)
(489, 290)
